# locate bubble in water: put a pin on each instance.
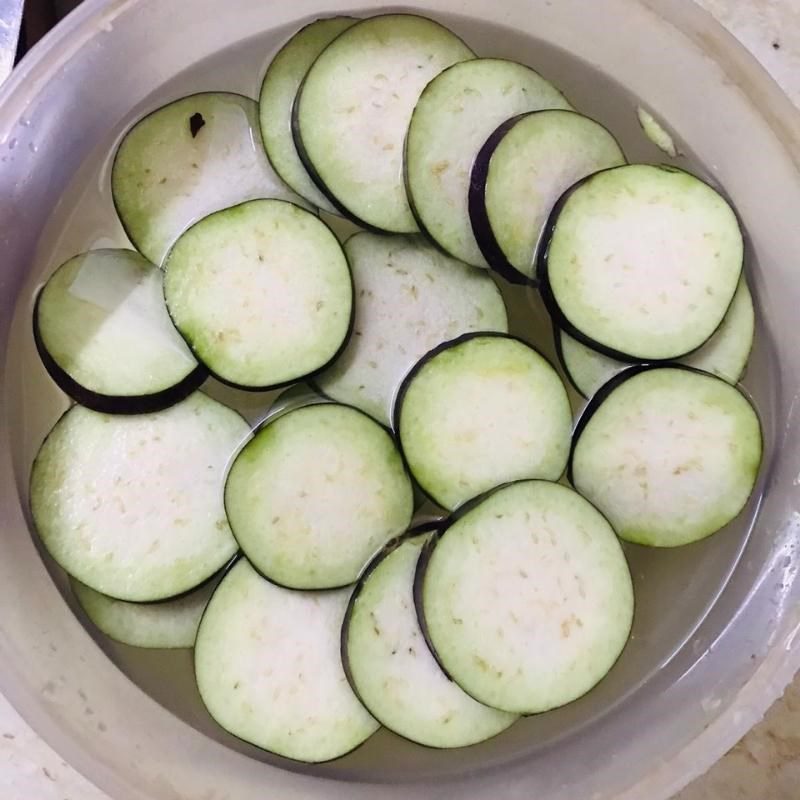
(12, 144)
(26, 123)
(34, 148)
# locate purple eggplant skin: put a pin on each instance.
(114, 404)
(478, 215)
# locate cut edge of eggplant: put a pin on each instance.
(608, 388)
(308, 377)
(393, 542)
(124, 405)
(287, 759)
(563, 361)
(280, 168)
(428, 550)
(429, 528)
(479, 216)
(559, 318)
(403, 389)
(118, 147)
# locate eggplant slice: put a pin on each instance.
(455, 115)
(641, 262)
(483, 410)
(526, 598)
(390, 666)
(520, 173)
(269, 669)
(184, 161)
(261, 292)
(410, 298)
(132, 506)
(104, 335)
(315, 494)
(276, 104)
(669, 454)
(354, 107)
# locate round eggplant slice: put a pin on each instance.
(391, 668)
(670, 455)
(520, 173)
(354, 107)
(315, 494)
(725, 354)
(132, 506)
(278, 93)
(105, 337)
(527, 598)
(479, 412)
(261, 292)
(409, 298)
(170, 624)
(641, 262)
(455, 115)
(185, 161)
(269, 668)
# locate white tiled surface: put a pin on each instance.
(764, 766)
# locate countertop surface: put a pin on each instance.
(765, 765)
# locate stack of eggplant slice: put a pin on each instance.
(322, 599)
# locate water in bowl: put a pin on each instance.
(675, 589)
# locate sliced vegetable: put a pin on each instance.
(354, 107)
(170, 624)
(656, 132)
(725, 354)
(527, 598)
(519, 174)
(483, 410)
(278, 92)
(269, 669)
(261, 292)
(390, 667)
(641, 262)
(185, 161)
(409, 299)
(132, 506)
(105, 337)
(315, 494)
(452, 120)
(670, 455)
